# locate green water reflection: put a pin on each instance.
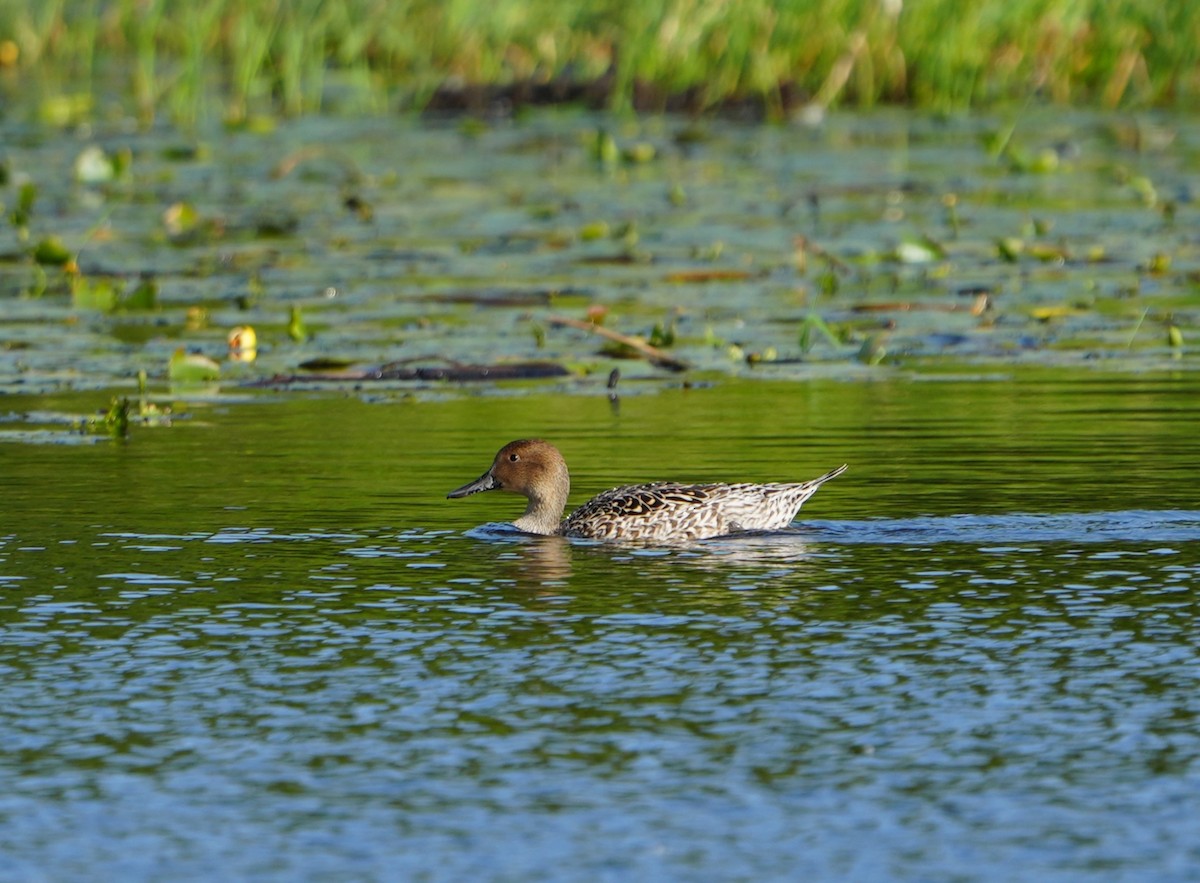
(1025, 441)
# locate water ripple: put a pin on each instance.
(999, 531)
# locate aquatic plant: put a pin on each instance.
(191, 368)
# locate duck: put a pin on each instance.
(663, 511)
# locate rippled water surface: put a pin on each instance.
(260, 644)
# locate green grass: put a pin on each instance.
(239, 57)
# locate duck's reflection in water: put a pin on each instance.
(534, 562)
(545, 561)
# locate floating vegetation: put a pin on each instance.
(185, 225)
(107, 294)
(94, 166)
(192, 368)
(919, 251)
(51, 252)
(492, 256)
(94, 293)
(594, 230)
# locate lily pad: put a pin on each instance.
(186, 367)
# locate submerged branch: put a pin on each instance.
(651, 354)
(455, 373)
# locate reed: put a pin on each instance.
(282, 56)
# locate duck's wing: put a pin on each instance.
(640, 510)
(637, 500)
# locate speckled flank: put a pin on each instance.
(661, 511)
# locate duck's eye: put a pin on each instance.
(513, 458)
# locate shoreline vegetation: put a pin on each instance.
(187, 62)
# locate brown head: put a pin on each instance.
(536, 470)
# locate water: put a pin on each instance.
(260, 644)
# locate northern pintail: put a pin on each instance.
(664, 511)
